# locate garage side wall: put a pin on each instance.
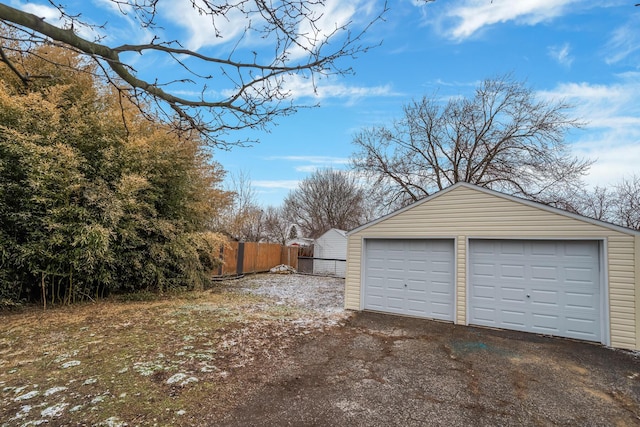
(467, 213)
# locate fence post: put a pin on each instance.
(240, 263)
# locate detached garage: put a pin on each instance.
(475, 256)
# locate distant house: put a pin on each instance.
(330, 253)
(303, 242)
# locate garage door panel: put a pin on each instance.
(579, 274)
(484, 292)
(395, 302)
(483, 270)
(582, 301)
(512, 271)
(510, 249)
(485, 314)
(511, 294)
(581, 328)
(544, 248)
(550, 287)
(548, 273)
(514, 318)
(412, 276)
(544, 298)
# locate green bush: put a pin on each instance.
(95, 199)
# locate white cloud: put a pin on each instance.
(624, 41)
(313, 159)
(468, 17)
(48, 13)
(326, 17)
(52, 16)
(300, 87)
(287, 184)
(310, 164)
(205, 30)
(612, 116)
(561, 54)
(201, 31)
(616, 158)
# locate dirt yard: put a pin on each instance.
(173, 361)
(279, 350)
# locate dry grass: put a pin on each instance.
(161, 362)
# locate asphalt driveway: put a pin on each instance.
(381, 370)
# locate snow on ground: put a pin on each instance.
(324, 295)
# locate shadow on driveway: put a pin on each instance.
(382, 370)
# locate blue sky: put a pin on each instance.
(585, 52)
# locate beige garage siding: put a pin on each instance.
(466, 212)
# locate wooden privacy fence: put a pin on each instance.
(252, 257)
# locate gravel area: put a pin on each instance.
(323, 295)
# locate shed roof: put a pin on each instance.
(337, 230)
(504, 196)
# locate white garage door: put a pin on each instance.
(411, 277)
(547, 287)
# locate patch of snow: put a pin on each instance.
(23, 412)
(35, 423)
(324, 295)
(54, 411)
(182, 379)
(75, 408)
(27, 396)
(283, 269)
(176, 378)
(90, 381)
(208, 368)
(113, 422)
(16, 390)
(70, 364)
(146, 368)
(98, 399)
(54, 390)
(181, 412)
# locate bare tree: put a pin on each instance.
(326, 199)
(502, 138)
(627, 203)
(243, 218)
(599, 203)
(299, 41)
(617, 204)
(276, 225)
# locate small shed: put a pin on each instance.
(330, 253)
(474, 256)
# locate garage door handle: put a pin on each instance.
(405, 285)
(528, 296)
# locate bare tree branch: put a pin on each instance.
(502, 138)
(326, 199)
(257, 84)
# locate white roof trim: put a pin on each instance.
(337, 230)
(504, 196)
